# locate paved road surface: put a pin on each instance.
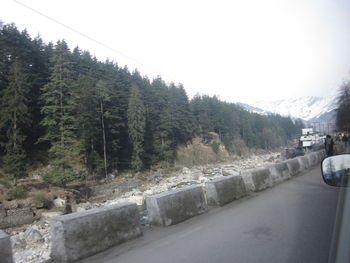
(291, 222)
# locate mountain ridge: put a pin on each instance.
(308, 108)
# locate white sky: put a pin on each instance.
(244, 50)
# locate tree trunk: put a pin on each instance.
(104, 140)
(61, 105)
(15, 115)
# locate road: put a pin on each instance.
(291, 222)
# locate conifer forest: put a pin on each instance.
(64, 108)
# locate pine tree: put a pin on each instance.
(181, 115)
(136, 125)
(14, 117)
(59, 121)
(89, 122)
(88, 111)
(159, 139)
(103, 96)
(121, 147)
(201, 112)
(31, 55)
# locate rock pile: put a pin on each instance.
(33, 244)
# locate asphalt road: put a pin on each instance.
(291, 222)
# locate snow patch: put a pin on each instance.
(305, 108)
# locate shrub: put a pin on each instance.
(215, 146)
(240, 147)
(195, 153)
(41, 199)
(229, 144)
(17, 192)
(5, 181)
(3, 197)
(60, 175)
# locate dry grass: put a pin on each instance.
(17, 192)
(41, 199)
(198, 153)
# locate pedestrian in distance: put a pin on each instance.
(328, 145)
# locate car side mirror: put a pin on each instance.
(336, 170)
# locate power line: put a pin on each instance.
(84, 35)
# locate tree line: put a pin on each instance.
(69, 110)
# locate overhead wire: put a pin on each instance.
(85, 36)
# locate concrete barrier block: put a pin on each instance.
(318, 157)
(79, 235)
(304, 162)
(248, 180)
(321, 155)
(279, 172)
(293, 166)
(313, 160)
(224, 190)
(261, 179)
(5, 248)
(175, 206)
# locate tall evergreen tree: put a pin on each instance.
(103, 96)
(136, 125)
(14, 118)
(159, 139)
(89, 121)
(182, 120)
(113, 99)
(58, 111)
(38, 75)
(117, 119)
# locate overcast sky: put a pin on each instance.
(244, 50)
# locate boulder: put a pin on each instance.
(18, 243)
(50, 215)
(228, 172)
(32, 234)
(59, 202)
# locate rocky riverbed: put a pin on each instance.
(32, 243)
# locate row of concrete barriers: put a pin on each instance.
(79, 235)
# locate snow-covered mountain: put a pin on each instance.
(253, 109)
(306, 108)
